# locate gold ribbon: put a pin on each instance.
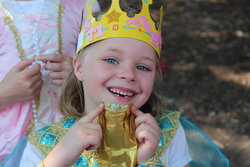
(118, 145)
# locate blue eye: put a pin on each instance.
(143, 68)
(111, 61)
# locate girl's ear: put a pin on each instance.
(78, 69)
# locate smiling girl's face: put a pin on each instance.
(116, 70)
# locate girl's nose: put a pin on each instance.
(127, 73)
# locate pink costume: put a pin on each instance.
(58, 30)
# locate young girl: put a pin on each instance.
(114, 65)
(37, 42)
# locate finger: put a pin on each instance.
(50, 57)
(144, 128)
(38, 84)
(56, 67)
(94, 142)
(29, 73)
(57, 75)
(92, 134)
(136, 112)
(143, 117)
(57, 82)
(92, 115)
(91, 126)
(146, 118)
(89, 129)
(34, 70)
(36, 78)
(38, 90)
(147, 137)
(23, 64)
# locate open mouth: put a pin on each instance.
(121, 93)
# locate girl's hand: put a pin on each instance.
(147, 134)
(21, 83)
(83, 135)
(59, 64)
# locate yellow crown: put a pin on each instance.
(116, 23)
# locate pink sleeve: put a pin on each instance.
(74, 10)
(15, 120)
(7, 41)
(71, 24)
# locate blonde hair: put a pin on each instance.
(71, 102)
(154, 104)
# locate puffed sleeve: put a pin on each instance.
(31, 156)
(177, 154)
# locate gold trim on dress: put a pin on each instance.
(59, 28)
(47, 138)
(9, 22)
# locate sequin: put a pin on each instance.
(117, 107)
(69, 122)
(48, 139)
(81, 162)
(162, 141)
(165, 124)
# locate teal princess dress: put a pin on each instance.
(203, 151)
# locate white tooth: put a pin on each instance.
(119, 92)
